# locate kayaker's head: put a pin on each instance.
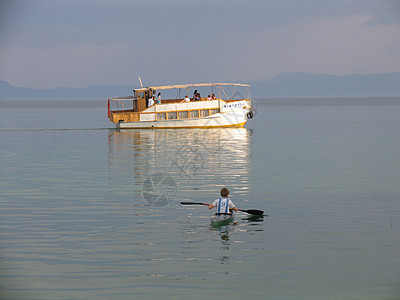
(224, 192)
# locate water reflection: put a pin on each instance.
(157, 167)
(250, 223)
(254, 218)
(223, 232)
(160, 168)
(225, 243)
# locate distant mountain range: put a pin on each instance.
(10, 92)
(281, 86)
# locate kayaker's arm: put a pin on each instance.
(210, 206)
(234, 208)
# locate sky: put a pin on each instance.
(79, 43)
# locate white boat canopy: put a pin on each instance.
(183, 86)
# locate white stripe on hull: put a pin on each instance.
(228, 119)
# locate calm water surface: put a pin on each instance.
(89, 212)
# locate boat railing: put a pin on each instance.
(122, 104)
(130, 104)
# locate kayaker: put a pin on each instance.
(224, 204)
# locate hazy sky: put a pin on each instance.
(77, 43)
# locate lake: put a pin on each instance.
(90, 212)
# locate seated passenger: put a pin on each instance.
(209, 97)
(213, 97)
(187, 99)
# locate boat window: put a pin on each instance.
(161, 116)
(183, 114)
(194, 113)
(214, 111)
(204, 113)
(134, 105)
(172, 115)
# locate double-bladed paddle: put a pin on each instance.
(249, 211)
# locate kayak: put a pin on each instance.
(220, 220)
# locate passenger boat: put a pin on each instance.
(138, 111)
(221, 219)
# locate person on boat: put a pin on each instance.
(159, 98)
(224, 204)
(150, 102)
(187, 99)
(194, 95)
(209, 97)
(213, 97)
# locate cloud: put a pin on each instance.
(331, 46)
(76, 44)
(69, 66)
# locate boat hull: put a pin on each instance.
(221, 220)
(228, 119)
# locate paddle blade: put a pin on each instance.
(193, 203)
(253, 211)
